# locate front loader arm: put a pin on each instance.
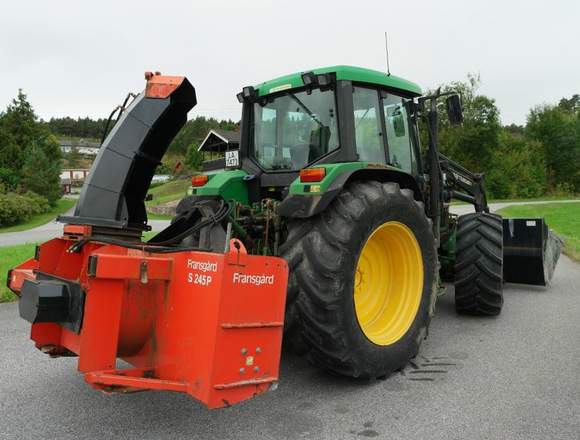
(462, 184)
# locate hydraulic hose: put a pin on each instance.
(166, 246)
(220, 215)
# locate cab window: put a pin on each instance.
(367, 126)
(401, 154)
(294, 129)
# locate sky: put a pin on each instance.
(80, 58)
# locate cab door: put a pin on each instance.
(401, 151)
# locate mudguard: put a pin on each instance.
(303, 202)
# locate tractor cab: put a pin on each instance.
(326, 116)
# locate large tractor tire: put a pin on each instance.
(479, 265)
(363, 281)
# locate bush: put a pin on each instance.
(18, 208)
(518, 168)
(558, 129)
(564, 190)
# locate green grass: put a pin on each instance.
(174, 190)
(153, 216)
(564, 218)
(62, 206)
(533, 199)
(9, 258)
(537, 199)
(148, 235)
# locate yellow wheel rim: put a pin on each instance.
(388, 283)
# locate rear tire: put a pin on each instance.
(324, 317)
(479, 265)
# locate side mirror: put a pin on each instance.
(454, 110)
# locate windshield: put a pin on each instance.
(294, 129)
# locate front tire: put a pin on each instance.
(479, 265)
(362, 284)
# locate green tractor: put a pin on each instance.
(332, 176)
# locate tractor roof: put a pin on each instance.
(349, 73)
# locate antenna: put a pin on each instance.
(387, 52)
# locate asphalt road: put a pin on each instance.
(516, 376)
(53, 229)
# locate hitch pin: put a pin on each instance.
(143, 272)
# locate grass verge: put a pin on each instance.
(564, 218)
(174, 190)
(546, 198)
(153, 216)
(62, 206)
(9, 257)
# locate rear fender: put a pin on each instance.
(229, 185)
(302, 202)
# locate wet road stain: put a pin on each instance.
(432, 368)
(368, 433)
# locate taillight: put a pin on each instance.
(199, 180)
(312, 174)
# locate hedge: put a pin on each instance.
(17, 208)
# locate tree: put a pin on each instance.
(10, 157)
(18, 129)
(79, 128)
(9, 178)
(74, 156)
(21, 120)
(558, 129)
(514, 129)
(41, 175)
(518, 168)
(194, 131)
(23, 140)
(473, 143)
(571, 105)
(194, 158)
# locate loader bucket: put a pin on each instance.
(531, 251)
